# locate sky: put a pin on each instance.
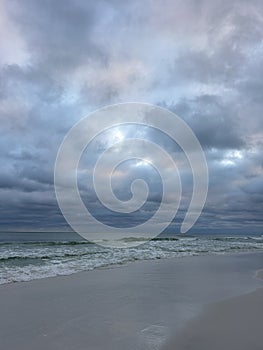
(61, 60)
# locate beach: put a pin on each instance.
(234, 324)
(197, 302)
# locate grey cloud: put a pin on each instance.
(203, 59)
(214, 121)
(59, 33)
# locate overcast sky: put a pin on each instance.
(203, 60)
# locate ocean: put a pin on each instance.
(29, 256)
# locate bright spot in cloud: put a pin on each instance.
(143, 162)
(227, 162)
(119, 135)
(232, 158)
(113, 136)
(235, 154)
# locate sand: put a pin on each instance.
(235, 324)
(139, 306)
(259, 274)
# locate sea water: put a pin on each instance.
(28, 256)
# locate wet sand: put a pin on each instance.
(138, 306)
(235, 324)
(259, 274)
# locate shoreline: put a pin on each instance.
(257, 273)
(135, 306)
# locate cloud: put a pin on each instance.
(214, 121)
(61, 60)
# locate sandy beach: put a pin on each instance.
(198, 302)
(259, 274)
(234, 324)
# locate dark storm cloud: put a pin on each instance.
(214, 121)
(201, 59)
